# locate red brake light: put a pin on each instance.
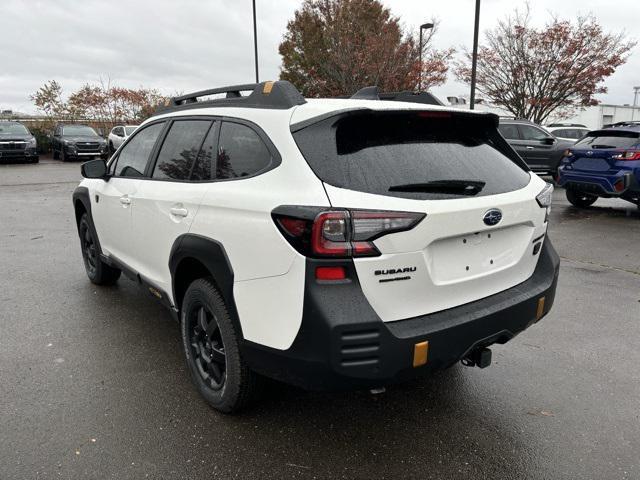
(628, 155)
(341, 233)
(331, 273)
(293, 226)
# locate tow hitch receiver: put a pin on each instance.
(479, 357)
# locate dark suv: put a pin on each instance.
(77, 142)
(537, 147)
(17, 143)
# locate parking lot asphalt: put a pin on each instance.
(93, 382)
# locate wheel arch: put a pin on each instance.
(81, 203)
(194, 256)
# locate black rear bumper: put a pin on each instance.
(343, 344)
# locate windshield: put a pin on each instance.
(129, 130)
(13, 129)
(79, 130)
(418, 155)
(609, 139)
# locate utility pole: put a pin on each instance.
(474, 60)
(424, 26)
(255, 40)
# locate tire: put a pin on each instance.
(56, 154)
(580, 199)
(63, 156)
(98, 272)
(211, 347)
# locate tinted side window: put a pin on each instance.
(241, 152)
(133, 158)
(180, 149)
(510, 132)
(204, 167)
(531, 133)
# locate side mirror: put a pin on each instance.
(94, 169)
(548, 141)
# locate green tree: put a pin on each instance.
(335, 47)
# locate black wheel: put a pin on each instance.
(212, 350)
(63, 155)
(98, 272)
(580, 199)
(56, 154)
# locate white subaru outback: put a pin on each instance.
(329, 243)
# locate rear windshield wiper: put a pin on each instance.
(456, 187)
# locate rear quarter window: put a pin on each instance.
(374, 151)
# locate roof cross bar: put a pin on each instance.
(373, 93)
(277, 95)
(234, 90)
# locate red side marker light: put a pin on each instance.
(330, 273)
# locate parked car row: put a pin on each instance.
(17, 143)
(68, 142)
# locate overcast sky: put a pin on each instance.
(194, 44)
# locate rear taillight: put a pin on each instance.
(340, 233)
(628, 155)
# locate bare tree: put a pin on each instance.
(534, 72)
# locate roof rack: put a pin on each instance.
(629, 123)
(276, 95)
(373, 93)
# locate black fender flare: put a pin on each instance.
(81, 194)
(213, 256)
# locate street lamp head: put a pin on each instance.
(426, 26)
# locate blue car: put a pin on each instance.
(604, 163)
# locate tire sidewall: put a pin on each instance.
(199, 293)
(85, 224)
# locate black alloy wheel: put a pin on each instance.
(89, 251)
(207, 347)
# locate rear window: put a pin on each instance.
(386, 153)
(609, 139)
(570, 133)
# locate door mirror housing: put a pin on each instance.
(548, 141)
(94, 169)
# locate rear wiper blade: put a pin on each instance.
(456, 187)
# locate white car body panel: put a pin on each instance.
(451, 238)
(269, 274)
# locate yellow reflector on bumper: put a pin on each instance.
(420, 352)
(540, 310)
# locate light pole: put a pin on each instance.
(424, 26)
(255, 39)
(474, 60)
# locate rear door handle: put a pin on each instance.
(179, 211)
(529, 147)
(125, 200)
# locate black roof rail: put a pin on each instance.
(628, 123)
(373, 93)
(277, 95)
